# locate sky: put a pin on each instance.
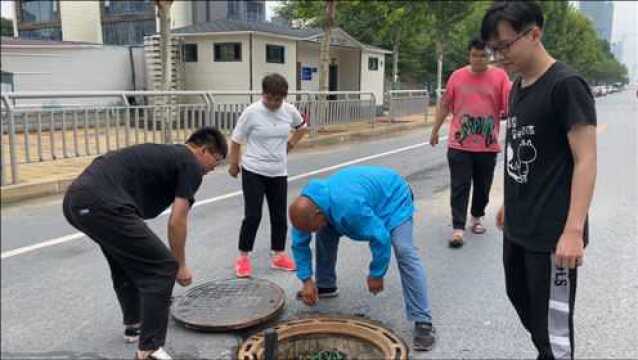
(625, 27)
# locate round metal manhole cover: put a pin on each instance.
(233, 304)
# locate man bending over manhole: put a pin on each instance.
(364, 203)
(109, 202)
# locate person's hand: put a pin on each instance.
(309, 293)
(290, 146)
(375, 285)
(570, 249)
(434, 137)
(500, 218)
(233, 170)
(184, 276)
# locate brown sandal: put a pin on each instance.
(478, 229)
(456, 241)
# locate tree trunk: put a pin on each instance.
(324, 57)
(165, 42)
(164, 11)
(439, 69)
(395, 60)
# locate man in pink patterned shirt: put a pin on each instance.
(476, 95)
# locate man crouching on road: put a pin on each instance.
(109, 202)
(372, 204)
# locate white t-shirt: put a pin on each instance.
(265, 134)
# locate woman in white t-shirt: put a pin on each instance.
(265, 127)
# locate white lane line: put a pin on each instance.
(67, 238)
(26, 249)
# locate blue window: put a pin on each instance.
(52, 33)
(127, 32)
(39, 11)
(124, 7)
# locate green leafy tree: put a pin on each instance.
(431, 37)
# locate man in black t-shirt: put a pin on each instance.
(109, 202)
(550, 171)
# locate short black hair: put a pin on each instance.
(476, 43)
(210, 138)
(519, 14)
(274, 84)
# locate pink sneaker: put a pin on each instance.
(283, 262)
(243, 269)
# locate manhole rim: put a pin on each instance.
(390, 344)
(280, 307)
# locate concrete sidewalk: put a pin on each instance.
(39, 179)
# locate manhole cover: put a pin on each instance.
(229, 304)
(327, 337)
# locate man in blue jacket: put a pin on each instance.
(364, 203)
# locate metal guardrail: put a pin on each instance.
(407, 102)
(35, 133)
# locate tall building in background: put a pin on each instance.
(121, 22)
(242, 10)
(618, 48)
(601, 14)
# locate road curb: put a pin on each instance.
(21, 192)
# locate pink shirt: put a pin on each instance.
(477, 102)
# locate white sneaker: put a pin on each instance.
(159, 354)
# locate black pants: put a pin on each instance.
(469, 170)
(275, 189)
(543, 296)
(142, 268)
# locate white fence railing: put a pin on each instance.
(32, 132)
(407, 102)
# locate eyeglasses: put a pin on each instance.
(506, 45)
(218, 157)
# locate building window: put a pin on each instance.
(190, 52)
(123, 7)
(39, 11)
(227, 52)
(373, 63)
(255, 11)
(234, 11)
(275, 54)
(127, 32)
(52, 33)
(126, 22)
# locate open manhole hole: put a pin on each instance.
(326, 338)
(233, 304)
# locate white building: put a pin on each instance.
(233, 55)
(44, 65)
(120, 22)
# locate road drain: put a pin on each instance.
(327, 338)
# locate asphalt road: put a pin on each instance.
(57, 299)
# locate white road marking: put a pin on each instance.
(67, 238)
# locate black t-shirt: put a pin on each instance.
(145, 177)
(538, 160)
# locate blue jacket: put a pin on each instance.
(363, 203)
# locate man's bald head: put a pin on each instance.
(305, 215)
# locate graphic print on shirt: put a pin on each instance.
(479, 125)
(521, 152)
